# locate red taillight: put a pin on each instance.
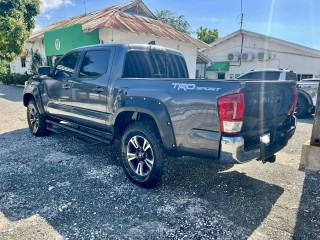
(295, 100)
(231, 112)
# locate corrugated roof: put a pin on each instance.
(114, 18)
(267, 38)
(202, 59)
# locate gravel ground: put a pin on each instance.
(81, 192)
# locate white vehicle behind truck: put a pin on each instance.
(307, 88)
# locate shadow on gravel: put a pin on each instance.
(243, 200)
(11, 93)
(307, 119)
(308, 218)
(84, 194)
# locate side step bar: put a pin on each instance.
(87, 134)
(56, 130)
(79, 138)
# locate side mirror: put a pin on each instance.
(44, 70)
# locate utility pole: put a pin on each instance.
(241, 20)
(315, 137)
(85, 7)
(242, 35)
(310, 155)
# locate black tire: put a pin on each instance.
(302, 107)
(143, 159)
(36, 121)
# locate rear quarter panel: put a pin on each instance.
(191, 106)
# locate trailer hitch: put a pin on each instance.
(270, 159)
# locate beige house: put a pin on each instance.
(242, 51)
(131, 22)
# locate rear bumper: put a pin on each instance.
(233, 148)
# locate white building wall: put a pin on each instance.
(214, 75)
(280, 56)
(201, 68)
(15, 66)
(188, 50)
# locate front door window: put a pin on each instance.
(66, 66)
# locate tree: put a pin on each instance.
(207, 35)
(36, 61)
(17, 19)
(174, 20)
(4, 68)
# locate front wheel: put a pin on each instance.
(36, 121)
(142, 155)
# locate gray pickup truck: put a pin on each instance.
(142, 96)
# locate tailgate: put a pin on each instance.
(268, 105)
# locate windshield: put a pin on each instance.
(270, 75)
(311, 80)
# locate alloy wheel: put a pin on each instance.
(34, 118)
(140, 155)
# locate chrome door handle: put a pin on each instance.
(66, 86)
(98, 89)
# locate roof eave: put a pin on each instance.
(277, 40)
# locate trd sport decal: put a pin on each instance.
(193, 87)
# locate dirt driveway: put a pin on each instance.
(54, 187)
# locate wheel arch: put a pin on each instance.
(306, 96)
(303, 105)
(35, 95)
(26, 98)
(154, 112)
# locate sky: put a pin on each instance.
(295, 21)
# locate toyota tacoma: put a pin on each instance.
(142, 96)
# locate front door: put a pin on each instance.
(58, 86)
(90, 88)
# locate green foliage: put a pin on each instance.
(16, 22)
(50, 61)
(14, 79)
(4, 68)
(36, 61)
(207, 35)
(174, 20)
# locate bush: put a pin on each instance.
(14, 79)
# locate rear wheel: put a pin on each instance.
(36, 121)
(302, 107)
(142, 155)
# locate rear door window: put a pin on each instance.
(137, 65)
(94, 63)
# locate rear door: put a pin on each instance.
(90, 88)
(58, 86)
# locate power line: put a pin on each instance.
(49, 17)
